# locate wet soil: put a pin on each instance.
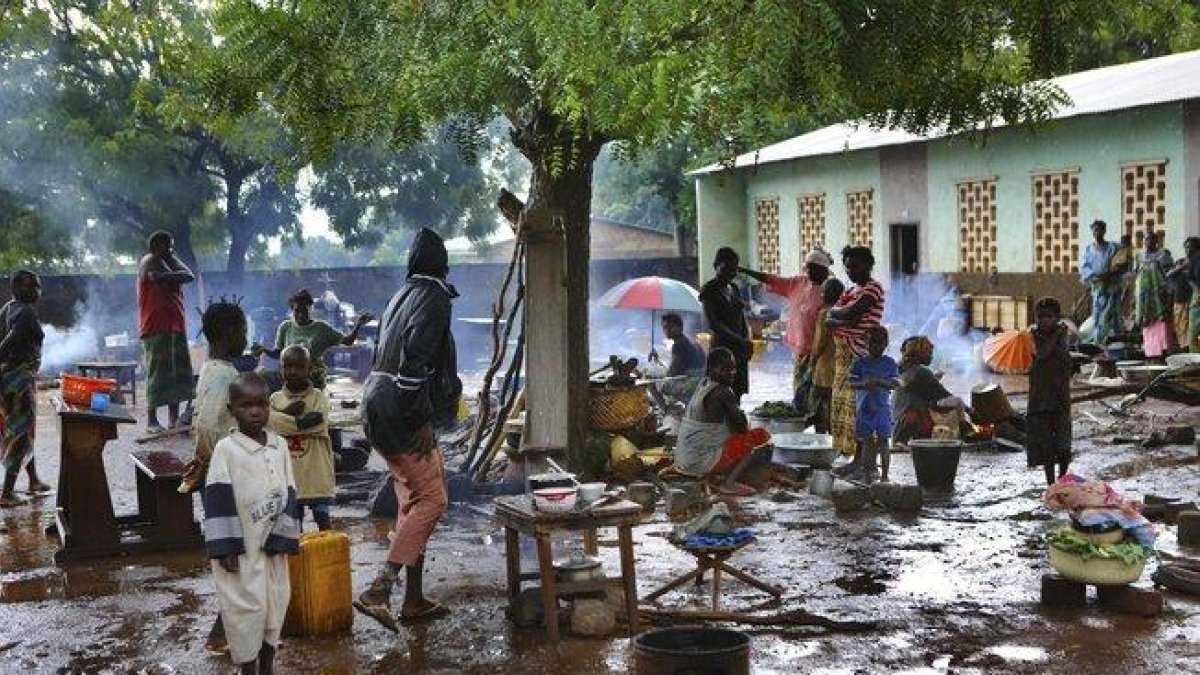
(955, 588)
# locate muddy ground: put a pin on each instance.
(955, 588)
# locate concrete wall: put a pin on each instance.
(833, 175)
(1097, 145)
(1191, 180)
(903, 197)
(720, 218)
(108, 305)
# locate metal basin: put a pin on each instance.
(815, 450)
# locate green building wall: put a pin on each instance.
(1096, 145)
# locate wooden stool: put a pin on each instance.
(714, 558)
(517, 515)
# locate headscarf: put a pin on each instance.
(818, 256)
(916, 351)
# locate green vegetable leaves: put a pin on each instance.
(1127, 551)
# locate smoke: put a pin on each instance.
(929, 305)
(62, 348)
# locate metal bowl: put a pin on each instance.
(815, 450)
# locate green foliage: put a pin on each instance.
(369, 188)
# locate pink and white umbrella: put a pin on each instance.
(657, 294)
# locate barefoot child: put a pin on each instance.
(714, 436)
(822, 356)
(1049, 409)
(251, 522)
(873, 377)
(300, 413)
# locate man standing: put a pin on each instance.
(413, 388)
(725, 313)
(161, 323)
(1105, 282)
(803, 294)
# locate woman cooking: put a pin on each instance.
(920, 392)
(860, 308)
(314, 335)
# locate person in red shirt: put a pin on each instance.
(803, 294)
(163, 330)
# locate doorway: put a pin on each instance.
(906, 256)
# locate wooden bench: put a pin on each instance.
(165, 518)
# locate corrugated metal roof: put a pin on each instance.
(1129, 85)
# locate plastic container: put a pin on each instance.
(692, 650)
(99, 402)
(321, 586)
(78, 390)
(556, 500)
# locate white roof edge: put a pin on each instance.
(1137, 84)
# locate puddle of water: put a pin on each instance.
(1020, 653)
(926, 576)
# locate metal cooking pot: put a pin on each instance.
(579, 567)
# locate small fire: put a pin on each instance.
(985, 429)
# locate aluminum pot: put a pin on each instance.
(553, 479)
(579, 567)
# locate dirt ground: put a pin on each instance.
(955, 589)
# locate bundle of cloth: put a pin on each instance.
(1094, 503)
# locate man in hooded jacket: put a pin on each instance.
(412, 390)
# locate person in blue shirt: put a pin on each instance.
(873, 377)
(1103, 277)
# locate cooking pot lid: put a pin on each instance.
(578, 561)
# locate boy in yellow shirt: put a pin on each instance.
(300, 413)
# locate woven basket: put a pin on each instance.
(616, 409)
(1102, 571)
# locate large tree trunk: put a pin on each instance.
(557, 217)
(240, 236)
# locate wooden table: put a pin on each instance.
(85, 522)
(517, 515)
(123, 372)
(714, 558)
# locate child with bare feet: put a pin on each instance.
(251, 522)
(873, 377)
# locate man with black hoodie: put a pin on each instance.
(412, 390)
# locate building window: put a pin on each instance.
(812, 222)
(977, 225)
(1056, 222)
(860, 217)
(766, 212)
(1143, 199)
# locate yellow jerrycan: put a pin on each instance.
(321, 588)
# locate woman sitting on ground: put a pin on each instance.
(920, 394)
(313, 334)
(714, 436)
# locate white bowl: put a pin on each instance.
(556, 500)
